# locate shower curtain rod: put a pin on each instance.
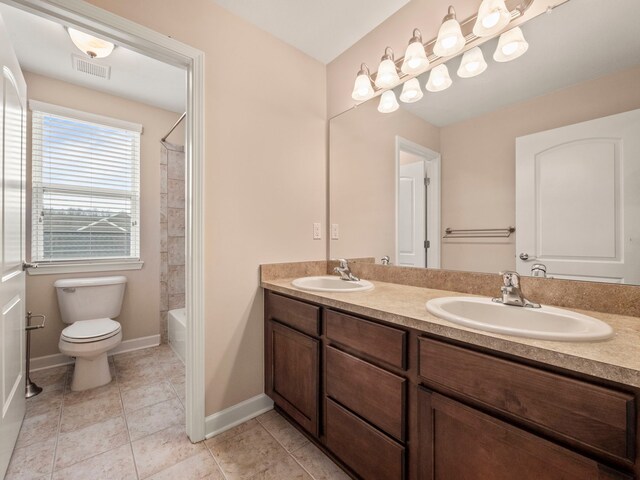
(163, 139)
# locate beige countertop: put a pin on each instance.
(616, 359)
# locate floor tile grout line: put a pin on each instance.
(55, 450)
(290, 454)
(215, 460)
(126, 422)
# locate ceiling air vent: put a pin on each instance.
(89, 67)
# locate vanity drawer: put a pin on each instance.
(371, 392)
(595, 417)
(366, 451)
(386, 344)
(299, 315)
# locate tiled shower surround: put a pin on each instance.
(172, 248)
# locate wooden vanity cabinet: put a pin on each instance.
(392, 403)
(461, 443)
(292, 359)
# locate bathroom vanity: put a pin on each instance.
(391, 392)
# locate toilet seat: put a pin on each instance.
(87, 331)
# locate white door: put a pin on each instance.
(412, 215)
(12, 281)
(578, 200)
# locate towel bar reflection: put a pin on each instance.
(478, 232)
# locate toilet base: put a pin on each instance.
(92, 366)
(90, 373)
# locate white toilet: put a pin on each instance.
(90, 305)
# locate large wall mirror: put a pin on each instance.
(535, 161)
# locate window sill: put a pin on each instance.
(57, 268)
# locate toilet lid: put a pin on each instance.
(91, 330)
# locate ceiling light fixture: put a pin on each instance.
(510, 46)
(411, 91)
(92, 46)
(415, 57)
(388, 102)
(472, 63)
(387, 75)
(439, 79)
(450, 40)
(493, 16)
(363, 87)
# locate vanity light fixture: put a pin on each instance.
(450, 40)
(92, 46)
(439, 79)
(472, 63)
(363, 87)
(510, 46)
(388, 102)
(411, 91)
(387, 76)
(415, 57)
(493, 16)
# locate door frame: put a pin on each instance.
(80, 14)
(432, 162)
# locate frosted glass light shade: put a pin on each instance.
(439, 79)
(493, 16)
(415, 59)
(511, 45)
(450, 40)
(362, 88)
(387, 74)
(388, 102)
(472, 64)
(411, 91)
(90, 45)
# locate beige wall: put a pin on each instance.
(265, 177)
(478, 162)
(140, 312)
(363, 176)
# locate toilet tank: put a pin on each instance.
(90, 298)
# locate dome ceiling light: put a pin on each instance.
(92, 46)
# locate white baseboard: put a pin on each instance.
(49, 361)
(237, 414)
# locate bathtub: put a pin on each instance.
(178, 331)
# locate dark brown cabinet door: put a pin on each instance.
(459, 442)
(293, 373)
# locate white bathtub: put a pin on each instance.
(178, 331)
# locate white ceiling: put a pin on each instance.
(44, 47)
(322, 29)
(580, 40)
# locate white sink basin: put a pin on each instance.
(547, 323)
(331, 284)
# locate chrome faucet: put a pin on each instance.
(385, 260)
(511, 292)
(539, 270)
(345, 272)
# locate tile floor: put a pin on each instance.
(133, 428)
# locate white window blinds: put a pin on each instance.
(86, 186)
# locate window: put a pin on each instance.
(85, 186)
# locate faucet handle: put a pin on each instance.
(343, 263)
(510, 279)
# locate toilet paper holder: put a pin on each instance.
(31, 389)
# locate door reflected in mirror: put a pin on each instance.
(548, 143)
